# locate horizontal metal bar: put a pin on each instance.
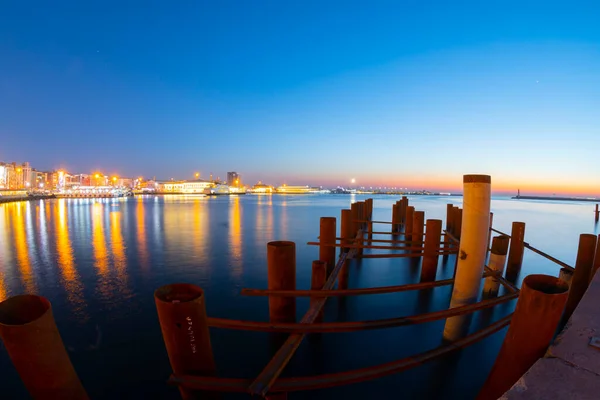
(540, 252)
(352, 326)
(240, 385)
(346, 292)
(405, 255)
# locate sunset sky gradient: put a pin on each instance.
(412, 94)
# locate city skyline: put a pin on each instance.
(406, 95)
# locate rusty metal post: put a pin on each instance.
(597, 213)
(449, 221)
(403, 205)
(36, 349)
(581, 276)
(317, 280)
(566, 275)
(417, 232)
(182, 316)
(540, 305)
(433, 232)
(408, 225)
(327, 237)
(346, 229)
(515, 253)
(361, 214)
(496, 264)
(458, 215)
(343, 277)
(396, 217)
(472, 251)
(355, 217)
(281, 265)
(596, 264)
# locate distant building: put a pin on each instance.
(195, 186)
(261, 188)
(233, 179)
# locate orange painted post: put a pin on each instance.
(433, 232)
(281, 265)
(317, 280)
(581, 276)
(496, 264)
(346, 229)
(490, 232)
(540, 305)
(396, 217)
(182, 316)
(327, 239)
(343, 277)
(408, 225)
(515, 253)
(36, 349)
(417, 231)
(596, 264)
(472, 253)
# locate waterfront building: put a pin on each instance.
(195, 186)
(233, 179)
(261, 188)
(294, 189)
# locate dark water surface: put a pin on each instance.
(99, 262)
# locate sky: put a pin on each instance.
(389, 93)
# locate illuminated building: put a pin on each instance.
(233, 179)
(195, 186)
(261, 188)
(3, 177)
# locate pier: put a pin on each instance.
(486, 268)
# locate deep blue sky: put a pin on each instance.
(410, 93)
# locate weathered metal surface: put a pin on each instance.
(36, 349)
(182, 315)
(534, 323)
(351, 326)
(340, 378)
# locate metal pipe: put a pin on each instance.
(281, 265)
(431, 254)
(36, 349)
(327, 230)
(182, 316)
(532, 328)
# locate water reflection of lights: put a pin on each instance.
(99, 240)
(21, 248)
(235, 237)
(66, 260)
(141, 234)
(4, 251)
(118, 248)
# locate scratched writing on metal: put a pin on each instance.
(191, 335)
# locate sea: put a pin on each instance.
(99, 261)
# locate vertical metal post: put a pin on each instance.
(36, 349)
(281, 265)
(182, 316)
(433, 232)
(515, 253)
(540, 305)
(581, 276)
(327, 230)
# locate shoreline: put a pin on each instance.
(555, 198)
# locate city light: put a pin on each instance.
(197, 175)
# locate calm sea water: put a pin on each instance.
(99, 262)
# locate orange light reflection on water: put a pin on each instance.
(21, 247)
(235, 237)
(99, 241)
(4, 251)
(141, 234)
(66, 259)
(118, 247)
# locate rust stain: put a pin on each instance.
(463, 255)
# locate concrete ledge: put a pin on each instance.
(571, 367)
